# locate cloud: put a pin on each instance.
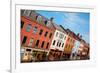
(74, 19)
(77, 24)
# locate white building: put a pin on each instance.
(75, 49)
(59, 38)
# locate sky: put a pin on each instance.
(78, 22)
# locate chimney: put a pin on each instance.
(52, 19)
(78, 34)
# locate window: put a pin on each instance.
(41, 32)
(46, 33)
(71, 40)
(27, 12)
(50, 35)
(22, 53)
(68, 47)
(61, 36)
(28, 50)
(62, 44)
(37, 43)
(24, 40)
(45, 22)
(39, 18)
(68, 39)
(33, 15)
(47, 45)
(56, 34)
(65, 38)
(54, 42)
(29, 26)
(31, 42)
(42, 44)
(34, 29)
(22, 11)
(59, 44)
(22, 24)
(48, 23)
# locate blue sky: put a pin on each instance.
(75, 21)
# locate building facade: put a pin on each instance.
(34, 33)
(36, 36)
(84, 50)
(59, 39)
(69, 42)
(75, 49)
(42, 39)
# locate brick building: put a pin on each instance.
(36, 33)
(35, 30)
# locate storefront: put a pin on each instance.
(32, 54)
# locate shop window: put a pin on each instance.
(28, 50)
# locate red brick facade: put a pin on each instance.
(39, 36)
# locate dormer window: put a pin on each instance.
(39, 19)
(48, 23)
(45, 22)
(27, 12)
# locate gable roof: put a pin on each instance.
(57, 27)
